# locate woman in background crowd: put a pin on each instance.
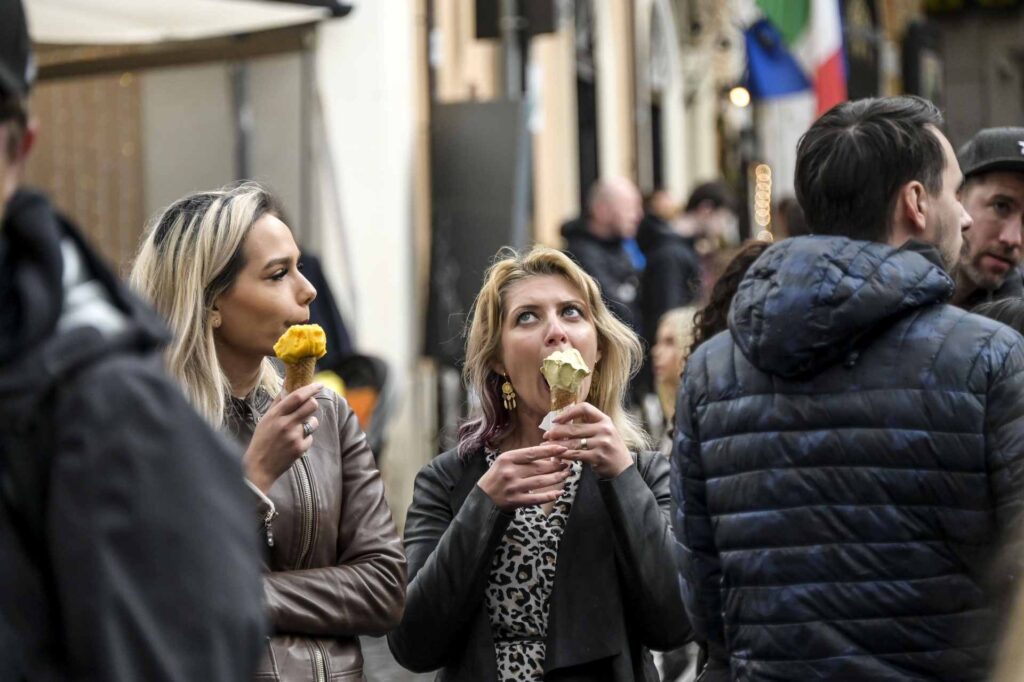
(223, 270)
(714, 316)
(538, 555)
(668, 356)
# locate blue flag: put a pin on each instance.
(772, 70)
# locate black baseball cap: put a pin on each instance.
(17, 65)
(993, 149)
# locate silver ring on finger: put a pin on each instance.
(583, 443)
(307, 429)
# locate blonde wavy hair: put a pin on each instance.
(681, 321)
(191, 255)
(621, 352)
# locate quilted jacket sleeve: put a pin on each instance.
(1004, 451)
(701, 570)
(448, 559)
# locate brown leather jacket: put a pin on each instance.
(336, 566)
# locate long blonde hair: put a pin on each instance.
(681, 321)
(620, 348)
(191, 255)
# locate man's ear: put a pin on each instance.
(28, 139)
(21, 142)
(912, 205)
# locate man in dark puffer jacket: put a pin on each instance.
(849, 454)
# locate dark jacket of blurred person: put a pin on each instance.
(672, 276)
(127, 550)
(848, 456)
(132, 525)
(595, 242)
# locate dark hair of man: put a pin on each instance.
(714, 316)
(851, 163)
(716, 194)
(1009, 311)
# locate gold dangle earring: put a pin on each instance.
(508, 395)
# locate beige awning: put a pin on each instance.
(92, 37)
(137, 22)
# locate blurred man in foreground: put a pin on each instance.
(127, 547)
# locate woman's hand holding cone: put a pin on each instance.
(588, 435)
(279, 439)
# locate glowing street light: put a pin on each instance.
(740, 96)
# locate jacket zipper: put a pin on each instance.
(308, 511)
(320, 661)
(268, 522)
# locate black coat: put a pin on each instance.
(128, 550)
(607, 262)
(671, 277)
(847, 458)
(614, 594)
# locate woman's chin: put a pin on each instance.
(529, 409)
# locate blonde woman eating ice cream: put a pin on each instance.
(538, 553)
(223, 269)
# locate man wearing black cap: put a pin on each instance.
(127, 549)
(993, 193)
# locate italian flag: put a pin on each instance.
(796, 45)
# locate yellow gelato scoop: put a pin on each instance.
(564, 370)
(299, 348)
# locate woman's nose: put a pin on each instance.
(307, 292)
(556, 335)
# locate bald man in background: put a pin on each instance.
(596, 240)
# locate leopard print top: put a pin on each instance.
(522, 575)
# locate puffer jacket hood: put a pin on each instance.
(62, 306)
(810, 302)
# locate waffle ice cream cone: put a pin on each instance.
(564, 371)
(562, 398)
(299, 348)
(299, 374)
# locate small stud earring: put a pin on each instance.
(215, 320)
(508, 395)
